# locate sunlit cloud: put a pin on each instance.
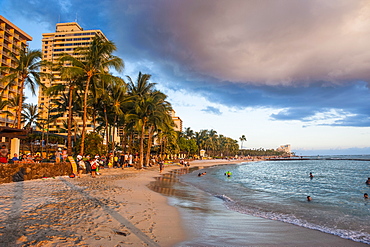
(305, 58)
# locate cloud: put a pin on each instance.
(308, 58)
(212, 110)
(256, 42)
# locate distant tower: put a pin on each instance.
(67, 37)
(177, 121)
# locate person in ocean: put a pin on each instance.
(366, 196)
(228, 174)
(202, 174)
(311, 175)
(309, 198)
(368, 181)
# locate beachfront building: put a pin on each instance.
(66, 38)
(177, 121)
(285, 149)
(12, 40)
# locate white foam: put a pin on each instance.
(224, 198)
(291, 219)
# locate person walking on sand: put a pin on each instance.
(161, 166)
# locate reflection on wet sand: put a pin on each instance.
(164, 183)
(186, 196)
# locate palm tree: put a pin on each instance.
(188, 133)
(242, 139)
(141, 92)
(92, 64)
(13, 103)
(3, 105)
(113, 99)
(168, 138)
(158, 118)
(26, 72)
(30, 115)
(72, 84)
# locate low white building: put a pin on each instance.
(284, 148)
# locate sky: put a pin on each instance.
(277, 71)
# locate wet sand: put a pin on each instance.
(118, 209)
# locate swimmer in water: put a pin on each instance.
(228, 173)
(311, 176)
(368, 181)
(366, 196)
(202, 174)
(309, 198)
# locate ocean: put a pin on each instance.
(273, 190)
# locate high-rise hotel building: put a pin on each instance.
(12, 39)
(66, 38)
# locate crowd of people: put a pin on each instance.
(89, 164)
(92, 164)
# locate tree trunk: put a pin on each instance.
(20, 104)
(149, 146)
(141, 160)
(69, 137)
(113, 134)
(84, 118)
(106, 128)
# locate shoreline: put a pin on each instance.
(210, 223)
(114, 209)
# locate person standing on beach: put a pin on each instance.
(81, 165)
(64, 155)
(4, 154)
(94, 167)
(57, 155)
(130, 159)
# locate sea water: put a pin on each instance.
(278, 190)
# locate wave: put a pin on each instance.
(291, 219)
(224, 198)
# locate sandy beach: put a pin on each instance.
(118, 209)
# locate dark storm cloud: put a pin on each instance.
(304, 57)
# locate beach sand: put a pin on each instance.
(118, 209)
